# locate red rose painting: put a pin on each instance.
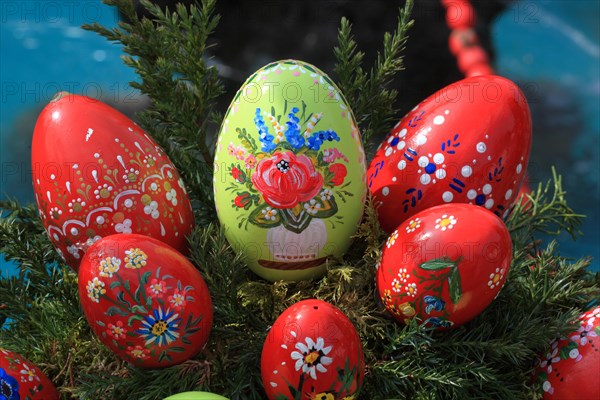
(286, 179)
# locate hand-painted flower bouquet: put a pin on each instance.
(289, 179)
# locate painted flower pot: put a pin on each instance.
(297, 249)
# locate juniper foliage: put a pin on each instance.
(490, 357)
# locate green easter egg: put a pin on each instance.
(196, 396)
(289, 176)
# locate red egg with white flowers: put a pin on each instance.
(569, 370)
(467, 143)
(144, 300)
(96, 173)
(312, 352)
(20, 379)
(444, 265)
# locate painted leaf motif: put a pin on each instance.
(295, 219)
(259, 215)
(438, 264)
(134, 318)
(455, 286)
(326, 209)
(564, 353)
(116, 311)
(121, 299)
(139, 309)
(145, 277)
(114, 284)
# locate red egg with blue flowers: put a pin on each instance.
(467, 143)
(144, 300)
(22, 380)
(444, 265)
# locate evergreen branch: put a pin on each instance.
(491, 356)
(369, 93)
(544, 211)
(168, 54)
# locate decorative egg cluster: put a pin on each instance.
(144, 300)
(289, 176)
(290, 185)
(20, 379)
(96, 173)
(569, 370)
(312, 352)
(467, 143)
(445, 265)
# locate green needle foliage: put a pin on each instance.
(490, 357)
(369, 92)
(168, 54)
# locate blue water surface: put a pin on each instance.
(552, 49)
(44, 51)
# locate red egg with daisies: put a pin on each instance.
(444, 265)
(144, 300)
(20, 379)
(97, 173)
(312, 352)
(570, 368)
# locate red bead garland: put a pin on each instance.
(463, 42)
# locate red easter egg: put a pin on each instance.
(569, 370)
(467, 143)
(144, 300)
(96, 173)
(20, 379)
(312, 352)
(444, 265)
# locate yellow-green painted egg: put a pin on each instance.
(289, 172)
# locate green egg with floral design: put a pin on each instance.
(289, 176)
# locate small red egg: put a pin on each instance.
(96, 173)
(20, 379)
(444, 265)
(570, 369)
(144, 300)
(312, 352)
(467, 143)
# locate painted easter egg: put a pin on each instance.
(444, 265)
(569, 370)
(467, 143)
(289, 171)
(96, 173)
(144, 300)
(312, 352)
(22, 380)
(195, 396)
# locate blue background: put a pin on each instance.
(551, 48)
